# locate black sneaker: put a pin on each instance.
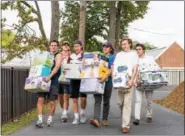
(39, 124)
(136, 122)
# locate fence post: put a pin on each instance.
(12, 95)
(179, 77)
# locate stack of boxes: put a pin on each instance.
(40, 68)
(94, 66)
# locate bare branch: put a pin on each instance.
(29, 6)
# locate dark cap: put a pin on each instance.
(109, 44)
(78, 42)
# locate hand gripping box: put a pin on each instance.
(39, 70)
(36, 84)
(92, 86)
(94, 65)
(43, 58)
(120, 77)
(151, 80)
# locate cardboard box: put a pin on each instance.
(74, 71)
(152, 80)
(92, 86)
(37, 84)
(39, 70)
(62, 77)
(120, 77)
(43, 58)
(94, 65)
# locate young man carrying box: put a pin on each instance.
(53, 93)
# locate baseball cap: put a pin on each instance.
(78, 42)
(66, 42)
(108, 44)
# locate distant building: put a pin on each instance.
(170, 57)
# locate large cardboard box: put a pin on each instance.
(92, 86)
(94, 65)
(152, 80)
(43, 58)
(73, 72)
(62, 77)
(37, 84)
(120, 77)
(39, 70)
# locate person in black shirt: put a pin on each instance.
(52, 95)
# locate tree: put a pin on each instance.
(112, 22)
(82, 21)
(25, 38)
(101, 20)
(55, 19)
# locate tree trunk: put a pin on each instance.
(40, 23)
(82, 21)
(112, 25)
(55, 20)
(117, 32)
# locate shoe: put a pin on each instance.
(95, 123)
(64, 118)
(75, 121)
(136, 122)
(149, 120)
(39, 124)
(49, 123)
(125, 130)
(105, 123)
(83, 118)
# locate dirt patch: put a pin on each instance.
(175, 100)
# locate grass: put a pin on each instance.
(19, 123)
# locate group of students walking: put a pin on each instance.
(65, 91)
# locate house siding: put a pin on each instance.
(172, 57)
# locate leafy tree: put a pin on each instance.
(100, 16)
(25, 38)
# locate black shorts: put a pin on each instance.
(63, 89)
(51, 95)
(75, 89)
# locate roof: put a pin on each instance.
(156, 53)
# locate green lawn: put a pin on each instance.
(22, 121)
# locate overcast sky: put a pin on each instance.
(164, 22)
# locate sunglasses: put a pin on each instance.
(138, 49)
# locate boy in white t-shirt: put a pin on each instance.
(143, 61)
(128, 59)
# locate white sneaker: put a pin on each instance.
(39, 124)
(64, 117)
(49, 123)
(75, 121)
(83, 118)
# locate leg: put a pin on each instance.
(74, 95)
(138, 102)
(97, 110)
(61, 95)
(126, 115)
(106, 102)
(120, 100)
(40, 106)
(83, 99)
(97, 106)
(148, 95)
(66, 97)
(52, 103)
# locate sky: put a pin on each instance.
(162, 25)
